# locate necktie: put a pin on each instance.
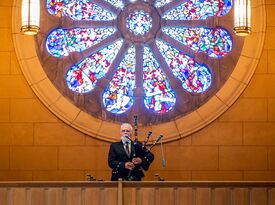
(127, 148)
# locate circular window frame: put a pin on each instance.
(25, 48)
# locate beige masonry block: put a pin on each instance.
(230, 91)
(5, 134)
(101, 156)
(258, 87)
(258, 24)
(82, 122)
(22, 133)
(30, 110)
(6, 3)
(33, 158)
(35, 73)
(16, 176)
(78, 157)
(270, 15)
(244, 74)
(166, 129)
(217, 175)
(259, 133)
(192, 158)
(259, 176)
(58, 176)
(57, 134)
(89, 140)
(271, 62)
(46, 92)
(263, 63)
(271, 109)
(110, 131)
(5, 14)
(14, 66)
(4, 157)
(251, 109)
(4, 110)
(6, 40)
(242, 158)
(5, 60)
(219, 134)
(14, 87)
(270, 40)
(267, 2)
(64, 109)
(249, 49)
(271, 158)
(189, 123)
(185, 141)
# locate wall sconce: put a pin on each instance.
(242, 17)
(30, 16)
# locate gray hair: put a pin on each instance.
(128, 125)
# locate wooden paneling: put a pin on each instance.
(137, 193)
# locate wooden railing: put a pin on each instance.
(137, 193)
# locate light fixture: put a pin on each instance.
(30, 16)
(242, 16)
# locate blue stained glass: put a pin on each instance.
(195, 78)
(199, 9)
(119, 96)
(159, 97)
(61, 42)
(82, 78)
(116, 3)
(139, 22)
(79, 10)
(160, 3)
(215, 42)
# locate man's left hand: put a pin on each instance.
(137, 160)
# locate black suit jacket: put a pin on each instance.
(118, 157)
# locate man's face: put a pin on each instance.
(125, 130)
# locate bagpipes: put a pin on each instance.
(144, 144)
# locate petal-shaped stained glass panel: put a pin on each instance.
(119, 96)
(198, 9)
(61, 42)
(160, 3)
(215, 42)
(82, 78)
(159, 97)
(79, 10)
(116, 3)
(195, 78)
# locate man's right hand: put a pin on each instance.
(129, 165)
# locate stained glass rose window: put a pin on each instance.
(158, 59)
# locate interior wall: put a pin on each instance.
(36, 145)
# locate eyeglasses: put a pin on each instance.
(125, 130)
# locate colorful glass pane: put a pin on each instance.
(160, 3)
(159, 97)
(82, 78)
(79, 10)
(195, 78)
(139, 22)
(199, 9)
(61, 42)
(215, 42)
(116, 3)
(119, 96)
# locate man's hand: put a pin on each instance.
(129, 165)
(137, 160)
